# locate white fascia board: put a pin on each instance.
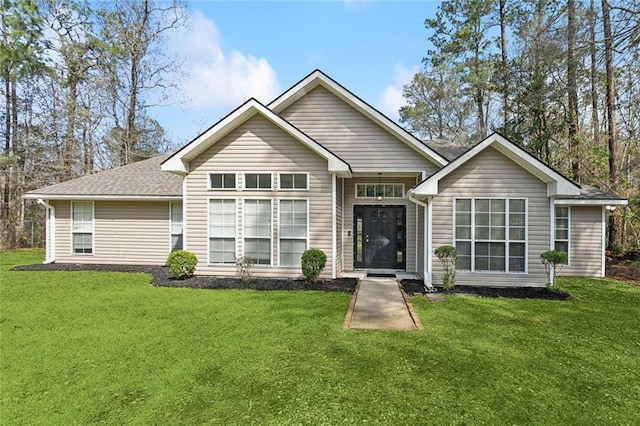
(317, 77)
(77, 197)
(589, 202)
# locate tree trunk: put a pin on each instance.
(572, 91)
(611, 118)
(505, 65)
(595, 122)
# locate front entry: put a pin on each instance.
(379, 237)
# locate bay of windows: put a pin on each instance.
(490, 234)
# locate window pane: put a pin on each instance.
(562, 246)
(398, 191)
(251, 180)
(360, 190)
(463, 232)
(229, 180)
(482, 263)
(482, 205)
(496, 264)
(291, 252)
(497, 233)
(497, 219)
(259, 250)
(286, 181)
(300, 181)
(516, 250)
(516, 219)
(482, 232)
(176, 242)
(516, 234)
(497, 205)
(516, 264)
(482, 249)
(222, 250)
(463, 205)
(497, 249)
(562, 234)
(463, 219)
(216, 180)
(516, 206)
(82, 243)
(265, 181)
(371, 191)
(482, 219)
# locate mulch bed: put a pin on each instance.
(161, 277)
(628, 273)
(417, 286)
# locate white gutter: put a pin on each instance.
(426, 273)
(50, 243)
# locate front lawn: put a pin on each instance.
(90, 347)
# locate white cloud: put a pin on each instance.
(391, 98)
(219, 79)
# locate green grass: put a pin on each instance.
(87, 347)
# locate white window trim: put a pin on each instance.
(244, 181)
(93, 228)
(279, 222)
(210, 188)
(555, 230)
(375, 196)
(209, 236)
(506, 241)
(244, 237)
(171, 234)
(280, 188)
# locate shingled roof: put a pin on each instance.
(142, 179)
(447, 149)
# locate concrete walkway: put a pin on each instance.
(378, 304)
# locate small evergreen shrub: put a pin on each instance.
(313, 262)
(182, 264)
(244, 268)
(553, 261)
(448, 257)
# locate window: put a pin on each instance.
(257, 231)
(175, 219)
(222, 181)
(293, 181)
(293, 231)
(562, 230)
(373, 190)
(490, 234)
(82, 227)
(222, 231)
(257, 180)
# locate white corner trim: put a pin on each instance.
(184, 214)
(334, 227)
(603, 242)
(50, 235)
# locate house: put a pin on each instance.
(319, 167)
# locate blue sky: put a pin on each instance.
(237, 50)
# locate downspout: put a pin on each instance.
(50, 243)
(426, 273)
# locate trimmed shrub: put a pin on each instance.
(182, 264)
(553, 261)
(244, 268)
(313, 262)
(448, 257)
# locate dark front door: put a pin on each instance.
(379, 237)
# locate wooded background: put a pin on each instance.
(560, 78)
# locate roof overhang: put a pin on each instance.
(179, 162)
(557, 185)
(318, 78)
(89, 197)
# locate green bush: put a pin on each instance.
(448, 256)
(553, 261)
(313, 262)
(182, 264)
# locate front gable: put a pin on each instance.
(179, 162)
(556, 184)
(352, 129)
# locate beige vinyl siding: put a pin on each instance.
(492, 175)
(585, 242)
(125, 232)
(350, 200)
(352, 136)
(258, 146)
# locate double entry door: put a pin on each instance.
(379, 237)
